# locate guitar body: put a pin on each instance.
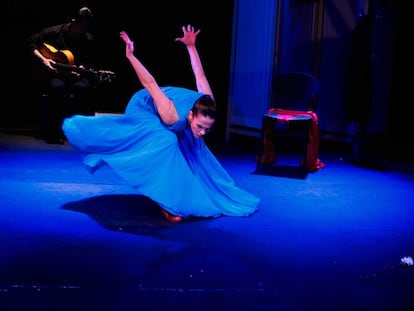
(60, 56)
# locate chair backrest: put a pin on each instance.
(296, 91)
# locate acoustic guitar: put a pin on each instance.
(65, 62)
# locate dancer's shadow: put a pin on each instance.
(128, 213)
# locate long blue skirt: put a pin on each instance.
(176, 170)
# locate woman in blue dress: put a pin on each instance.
(157, 145)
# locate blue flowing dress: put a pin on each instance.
(165, 163)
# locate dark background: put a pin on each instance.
(152, 25)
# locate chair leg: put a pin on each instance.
(261, 146)
(306, 129)
(266, 154)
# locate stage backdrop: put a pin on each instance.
(275, 36)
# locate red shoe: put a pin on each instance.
(170, 217)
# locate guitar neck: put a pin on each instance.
(64, 61)
(101, 75)
(71, 68)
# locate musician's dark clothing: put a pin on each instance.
(67, 93)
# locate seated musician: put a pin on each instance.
(68, 91)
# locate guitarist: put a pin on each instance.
(68, 92)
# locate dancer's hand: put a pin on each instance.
(189, 35)
(129, 45)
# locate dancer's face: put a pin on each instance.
(200, 125)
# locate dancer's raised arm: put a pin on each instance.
(189, 39)
(165, 106)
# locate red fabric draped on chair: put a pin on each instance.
(311, 161)
(294, 104)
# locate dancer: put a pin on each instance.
(157, 145)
